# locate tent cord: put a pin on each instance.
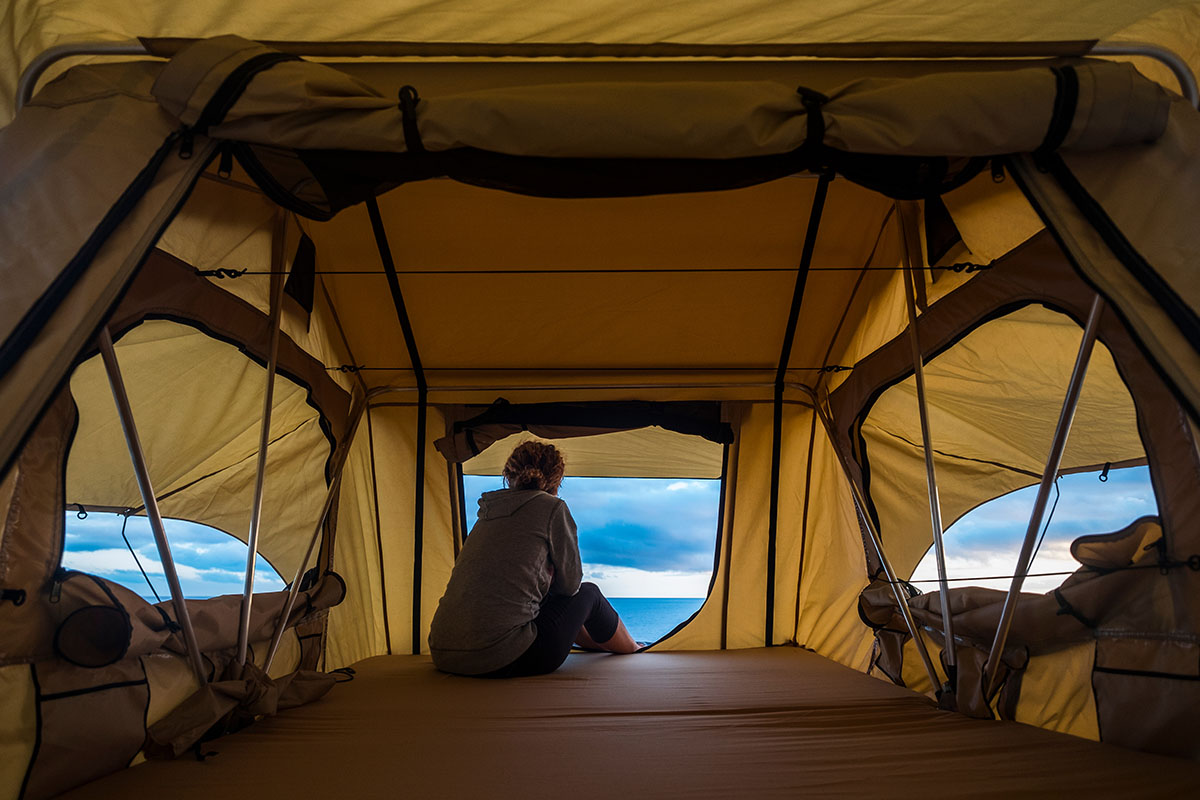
(1046, 527)
(226, 272)
(138, 561)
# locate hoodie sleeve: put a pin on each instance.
(564, 551)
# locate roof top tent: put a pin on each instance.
(318, 277)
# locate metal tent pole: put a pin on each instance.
(860, 504)
(335, 484)
(138, 457)
(264, 439)
(1053, 460)
(912, 255)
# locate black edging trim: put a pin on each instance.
(1180, 313)
(104, 687)
(419, 515)
(37, 739)
(462, 507)
(389, 267)
(1137, 673)
(35, 319)
(712, 581)
(806, 254)
(387, 628)
(812, 437)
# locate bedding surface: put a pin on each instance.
(779, 722)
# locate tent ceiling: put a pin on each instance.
(522, 285)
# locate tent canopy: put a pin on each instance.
(602, 234)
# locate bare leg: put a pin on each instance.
(621, 641)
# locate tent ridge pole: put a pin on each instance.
(138, 456)
(1172, 60)
(264, 438)
(860, 505)
(914, 259)
(1057, 446)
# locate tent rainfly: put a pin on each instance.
(293, 295)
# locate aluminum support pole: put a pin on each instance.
(140, 469)
(335, 485)
(913, 260)
(860, 504)
(1053, 460)
(264, 438)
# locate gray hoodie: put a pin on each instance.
(523, 547)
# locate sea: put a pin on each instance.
(651, 618)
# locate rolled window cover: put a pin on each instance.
(470, 437)
(235, 89)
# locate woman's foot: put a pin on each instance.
(621, 642)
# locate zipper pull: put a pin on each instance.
(225, 168)
(186, 142)
(60, 575)
(997, 171)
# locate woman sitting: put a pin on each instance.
(514, 604)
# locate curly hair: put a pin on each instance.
(534, 465)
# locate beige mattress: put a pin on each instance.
(751, 723)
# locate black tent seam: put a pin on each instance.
(35, 319)
(104, 687)
(387, 628)
(1137, 673)
(806, 254)
(37, 739)
(461, 509)
(812, 438)
(1183, 401)
(389, 266)
(1174, 306)
(712, 580)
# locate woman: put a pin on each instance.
(515, 604)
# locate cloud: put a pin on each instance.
(209, 562)
(630, 582)
(646, 524)
(985, 542)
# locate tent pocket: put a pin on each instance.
(94, 628)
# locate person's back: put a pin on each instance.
(522, 548)
(514, 604)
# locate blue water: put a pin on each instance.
(650, 618)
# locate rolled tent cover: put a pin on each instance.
(468, 438)
(230, 88)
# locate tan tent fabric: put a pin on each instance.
(643, 453)
(1172, 167)
(759, 723)
(34, 27)
(654, 297)
(993, 113)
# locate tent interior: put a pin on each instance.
(306, 295)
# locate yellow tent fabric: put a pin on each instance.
(665, 295)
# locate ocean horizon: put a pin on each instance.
(651, 618)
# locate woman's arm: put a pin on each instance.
(564, 552)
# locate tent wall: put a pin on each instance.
(698, 313)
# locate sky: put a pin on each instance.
(644, 537)
(986, 541)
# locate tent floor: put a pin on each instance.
(750, 723)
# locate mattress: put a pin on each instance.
(748, 723)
